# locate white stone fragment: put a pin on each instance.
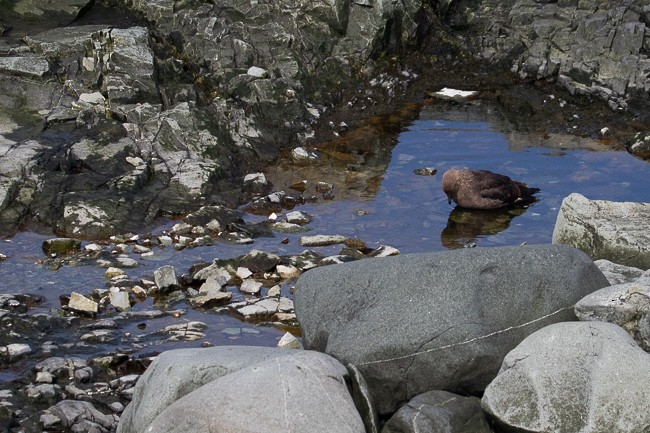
(250, 286)
(455, 93)
(288, 341)
(80, 303)
(257, 72)
(243, 273)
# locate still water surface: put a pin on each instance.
(392, 206)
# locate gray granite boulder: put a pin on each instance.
(587, 377)
(626, 305)
(176, 373)
(616, 231)
(243, 390)
(618, 274)
(420, 322)
(439, 412)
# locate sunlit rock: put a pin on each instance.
(580, 376)
(288, 341)
(165, 278)
(615, 231)
(81, 303)
(626, 305)
(321, 240)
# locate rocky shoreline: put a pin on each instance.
(116, 113)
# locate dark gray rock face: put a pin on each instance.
(592, 47)
(421, 322)
(439, 412)
(105, 128)
(581, 376)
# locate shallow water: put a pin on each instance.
(378, 199)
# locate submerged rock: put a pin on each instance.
(61, 246)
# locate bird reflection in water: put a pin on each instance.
(465, 226)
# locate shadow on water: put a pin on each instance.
(465, 226)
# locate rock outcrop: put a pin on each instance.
(595, 47)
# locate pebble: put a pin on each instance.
(113, 272)
(243, 273)
(321, 240)
(250, 286)
(288, 341)
(15, 351)
(81, 303)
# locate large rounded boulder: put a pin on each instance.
(420, 322)
(587, 377)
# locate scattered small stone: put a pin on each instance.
(286, 227)
(274, 291)
(448, 93)
(165, 240)
(79, 302)
(257, 72)
(141, 249)
(322, 240)
(127, 262)
(93, 248)
(113, 272)
(135, 161)
(256, 183)
(98, 336)
(95, 98)
(119, 300)
(298, 217)
(385, 251)
(243, 273)
(210, 298)
(300, 155)
(299, 186)
(181, 229)
(287, 272)
(190, 331)
(288, 341)
(214, 226)
(44, 377)
(250, 286)
(15, 351)
(213, 283)
(165, 278)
